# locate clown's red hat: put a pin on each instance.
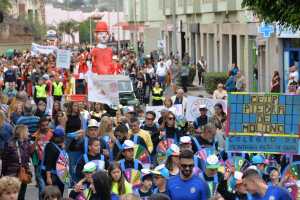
(101, 27)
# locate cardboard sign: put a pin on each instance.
(194, 103)
(103, 89)
(63, 58)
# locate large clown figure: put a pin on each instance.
(101, 54)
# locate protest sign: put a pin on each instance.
(40, 49)
(103, 89)
(63, 58)
(269, 116)
(193, 104)
(256, 144)
(176, 109)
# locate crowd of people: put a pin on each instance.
(131, 154)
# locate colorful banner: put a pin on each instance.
(194, 103)
(37, 49)
(103, 89)
(265, 116)
(63, 58)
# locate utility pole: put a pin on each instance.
(174, 35)
(135, 28)
(118, 22)
(91, 37)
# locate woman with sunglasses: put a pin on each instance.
(169, 129)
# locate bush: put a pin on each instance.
(212, 79)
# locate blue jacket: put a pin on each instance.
(6, 132)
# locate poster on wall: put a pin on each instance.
(263, 123)
(193, 104)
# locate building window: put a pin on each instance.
(180, 3)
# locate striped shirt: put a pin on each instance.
(32, 122)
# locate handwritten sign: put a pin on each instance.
(63, 58)
(103, 89)
(266, 116)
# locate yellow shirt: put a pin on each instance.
(128, 188)
(146, 137)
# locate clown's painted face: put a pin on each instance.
(102, 37)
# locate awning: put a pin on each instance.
(130, 26)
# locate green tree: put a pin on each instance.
(84, 31)
(69, 28)
(5, 5)
(285, 12)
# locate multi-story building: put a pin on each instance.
(31, 9)
(224, 33)
(146, 19)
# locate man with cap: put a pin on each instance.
(129, 162)
(82, 189)
(186, 185)
(186, 143)
(259, 162)
(259, 190)
(160, 176)
(145, 189)
(202, 119)
(54, 151)
(211, 175)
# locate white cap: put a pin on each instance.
(212, 162)
(45, 76)
(185, 140)
(253, 167)
(128, 144)
(203, 106)
(93, 123)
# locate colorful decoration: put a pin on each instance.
(62, 167)
(161, 150)
(292, 176)
(134, 177)
(141, 154)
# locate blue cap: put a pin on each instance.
(161, 170)
(258, 159)
(58, 132)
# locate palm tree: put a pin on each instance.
(69, 28)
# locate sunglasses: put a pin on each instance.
(187, 166)
(149, 118)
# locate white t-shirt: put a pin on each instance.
(161, 70)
